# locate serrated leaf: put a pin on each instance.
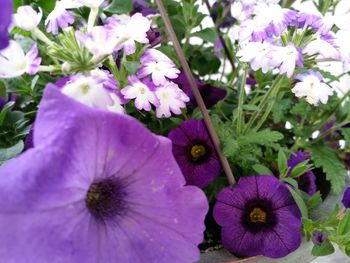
(326, 248)
(260, 169)
(207, 34)
(334, 168)
(264, 138)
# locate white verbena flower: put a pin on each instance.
(14, 62)
(141, 92)
(27, 18)
(159, 66)
(90, 91)
(130, 29)
(99, 41)
(286, 58)
(60, 17)
(312, 87)
(256, 53)
(322, 47)
(171, 99)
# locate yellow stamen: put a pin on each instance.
(257, 215)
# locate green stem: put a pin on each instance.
(326, 133)
(40, 35)
(92, 18)
(240, 120)
(269, 107)
(263, 102)
(326, 118)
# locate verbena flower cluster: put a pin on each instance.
(286, 41)
(109, 153)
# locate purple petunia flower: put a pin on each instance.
(97, 187)
(154, 37)
(318, 237)
(28, 142)
(228, 20)
(346, 198)
(195, 153)
(5, 21)
(141, 6)
(307, 181)
(258, 216)
(211, 94)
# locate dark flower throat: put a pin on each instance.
(104, 199)
(258, 216)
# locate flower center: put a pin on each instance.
(257, 215)
(85, 88)
(197, 151)
(104, 198)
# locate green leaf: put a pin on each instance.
(344, 225)
(264, 137)
(119, 7)
(9, 153)
(299, 201)
(314, 201)
(131, 66)
(207, 34)
(3, 93)
(291, 181)
(260, 169)
(282, 162)
(301, 168)
(5, 110)
(334, 168)
(346, 134)
(326, 248)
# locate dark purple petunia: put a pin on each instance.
(97, 187)
(228, 20)
(258, 216)
(211, 94)
(318, 237)
(141, 6)
(154, 37)
(28, 142)
(5, 21)
(346, 198)
(307, 181)
(195, 153)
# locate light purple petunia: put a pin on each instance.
(195, 153)
(5, 21)
(307, 181)
(97, 187)
(258, 216)
(346, 198)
